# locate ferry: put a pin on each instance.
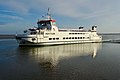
(47, 33)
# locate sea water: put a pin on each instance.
(91, 61)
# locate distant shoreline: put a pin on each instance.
(7, 36)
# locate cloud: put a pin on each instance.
(15, 5)
(11, 17)
(65, 7)
(6, 11)
(59, 7)
(73, 8)
(102, 12)
(7, 17)
(3, 23)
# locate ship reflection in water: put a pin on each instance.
(49, 57)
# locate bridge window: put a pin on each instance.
(44, 25)
(54, 23)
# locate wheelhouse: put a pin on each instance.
(46, 24)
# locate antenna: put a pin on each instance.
(48, 14)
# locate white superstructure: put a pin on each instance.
(47, 33)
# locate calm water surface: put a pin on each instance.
(93, 61)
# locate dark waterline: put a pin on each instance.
(93, 61)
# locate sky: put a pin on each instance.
(19, 15)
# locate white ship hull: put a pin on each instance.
(58, 38)
(55, 43)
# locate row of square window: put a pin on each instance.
(69, 33)
(69, 38)
(53, 38)
(75, 37)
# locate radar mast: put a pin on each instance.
(48, 14)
